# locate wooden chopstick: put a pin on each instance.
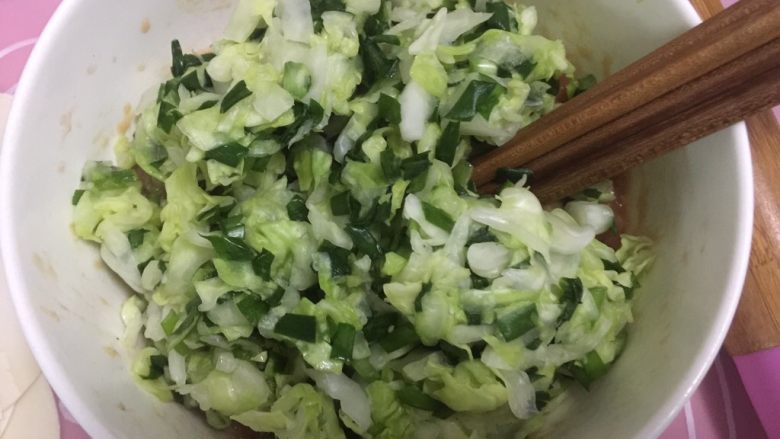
(736, 31)
(683, 98)
(731, 105)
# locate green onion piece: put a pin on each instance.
(478, 95)
(426, 288)
(339, 259)
(340, 204)
(376, 66)
(191, 82)
(168, 116)
(232, 249)
(570, 297)
(438, 217)
(402, 335)
(233, 226)
(157, 364)
(614, 266)
(77, 194)
(453, 353)
(448, 143)
(342, 342)
(296, 209)
(297, 326)
(296, 79)
(513, 174)
(415, 165)
(262, 264)
(414, 397)
(502, 18)
(276, 298)
(542, 399)
(364, 241)
(473, 317)
(389, 108)
(177, 64)
(216, 212)
(313, 293)
(391, 164)
(379, 325)
(387, 39)
(592, 193)
(483, 234)
(136, 237)
(169, 322)
(479, 282)
(229, 154)
(486, 103)
(515, 322)
(526, 67)
(253, 308)
(236, 94)
(207, 104)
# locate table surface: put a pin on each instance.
(720, 408)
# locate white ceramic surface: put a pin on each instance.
(696, 202)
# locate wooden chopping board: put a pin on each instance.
(756, 325)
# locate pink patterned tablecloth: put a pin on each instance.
(720, 408)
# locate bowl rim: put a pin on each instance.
(40, 343)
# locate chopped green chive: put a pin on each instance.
(253, 308)
(261, 264)
(614, 266)
(168, 116)
(426, 288)
(448, 143)
(191, 82)
(177, 64)
(389, 109)
(339, 259)
(77, 194)
(483, 234)
(526, 67)
(296, 209)
(515, 322)
(379, 325)
(571, 296)
(297, 326)
(477, 97)
(438, 217)
(136, 237)
(342, 342)
(391, 164)
(157, 364)
(169, 322)
(364, 241)
(216, 212)
(236, 94)
(592, 193)
(414, 397)
(453, 353)
(399, 336)
(415, 165)
(229, 154)
(502, 18)
(232, 249)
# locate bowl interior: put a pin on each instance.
(697, 204)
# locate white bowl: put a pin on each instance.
(95, 59)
